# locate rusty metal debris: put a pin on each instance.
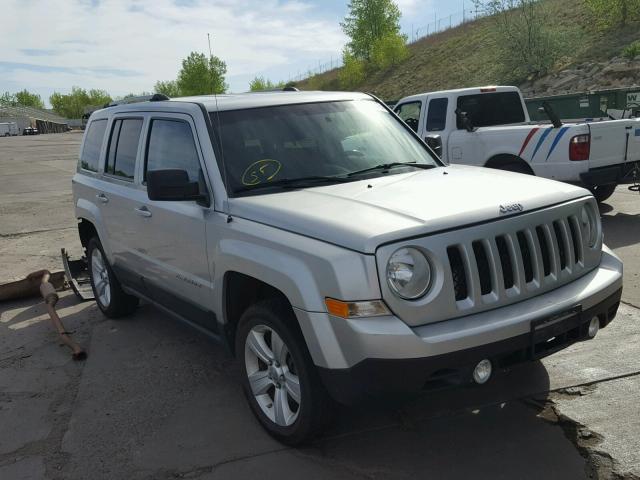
(77, 276)
(48, 292)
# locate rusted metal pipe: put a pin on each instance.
(48, 292)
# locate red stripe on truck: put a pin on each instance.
(528, 139)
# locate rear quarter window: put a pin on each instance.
(489, 109)
(93, 145)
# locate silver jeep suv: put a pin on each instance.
(320, 239)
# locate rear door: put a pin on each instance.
(117, 192)
(171, 235)
(611, 139)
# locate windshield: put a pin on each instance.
(331, 139)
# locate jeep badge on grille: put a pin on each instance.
(511, 208)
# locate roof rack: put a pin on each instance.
(156, 97)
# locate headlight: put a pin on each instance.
(589, 220)
(409, 273)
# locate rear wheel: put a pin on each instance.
(603, 192)
(278, 376)
(110, 297)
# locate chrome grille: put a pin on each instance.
(486, 270)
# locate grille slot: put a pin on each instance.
(562, 245)
(527, 259)
(458, 273)
(545, 251)
(484, 271)
(505, 261)
(576, 238)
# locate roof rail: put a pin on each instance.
(156, 97)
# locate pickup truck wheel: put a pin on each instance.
(278, 376)
(603, 192)
(109, 295)
(516, 167)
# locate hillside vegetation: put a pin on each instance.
(469, 55)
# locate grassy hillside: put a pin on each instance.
(469, 55)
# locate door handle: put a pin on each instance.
(102, 197)
(142, 211)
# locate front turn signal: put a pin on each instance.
(370, 308)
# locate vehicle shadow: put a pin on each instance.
(621, 229)
(493, 431)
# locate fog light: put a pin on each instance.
(482, 372)
(594, 326)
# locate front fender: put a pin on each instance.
(305, 270)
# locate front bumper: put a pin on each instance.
(361, 356)
(614, 174)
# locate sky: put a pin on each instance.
(126, 46)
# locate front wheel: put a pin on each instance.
(603, 192)
(278, 376)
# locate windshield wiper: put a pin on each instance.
(388, 166)
(301, 182)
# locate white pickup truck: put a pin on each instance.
(490, 127)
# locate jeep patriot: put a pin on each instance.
(319, 238)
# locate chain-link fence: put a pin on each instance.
(417, 33)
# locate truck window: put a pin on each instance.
(437, 114)
(123, 147)
(171, 145)
(410, 114)
(93, 145)
(488, 109)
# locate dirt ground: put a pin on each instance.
(157, 400)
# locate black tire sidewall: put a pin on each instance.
(268, 314)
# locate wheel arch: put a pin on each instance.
(501, 160)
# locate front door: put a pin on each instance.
(172, 234)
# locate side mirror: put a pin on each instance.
(435, 143)
(465, 121)
(172, 185)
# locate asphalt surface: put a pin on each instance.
(157, 400)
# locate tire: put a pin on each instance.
(274, 375)
(107, 290)
(603, 192)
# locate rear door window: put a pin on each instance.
(410, 114)
(123, 147)
(93, 145)
(489, 109)
(437, 114)
(172, 146)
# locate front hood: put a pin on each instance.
(364, 214)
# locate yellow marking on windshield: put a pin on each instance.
(261, 171)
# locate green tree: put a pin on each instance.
(367, 22)
(610, 13)
(72, 105)
(168, 88)
(353, 71)
(529, 48)
(388, 51)
(22, 98)
(259, 83)
(199, 75)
